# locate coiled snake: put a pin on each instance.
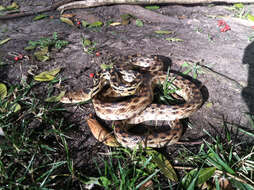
(129, 98)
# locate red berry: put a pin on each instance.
(225, 29)
(16, 58)
(221, 22)
(91, 75)
(20, 56)
(78, 23)
(97, 54)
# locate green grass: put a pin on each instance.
(37, 152)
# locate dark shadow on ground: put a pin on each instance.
(248, 92)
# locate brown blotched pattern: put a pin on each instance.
(129, 100)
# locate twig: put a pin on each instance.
(69, 4)
(29, 13)
(96, 3)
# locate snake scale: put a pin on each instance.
(134, 105)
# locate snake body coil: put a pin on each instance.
(136, 107)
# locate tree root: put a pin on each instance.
(70, 4)
(29, 13)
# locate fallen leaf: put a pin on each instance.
(174, 39)
(139, 23)
(115, 23)
(55, 98)
(84, 23)
(4, 41)
(67, 21)
(2, 8)
(155, 7)
(147, 185)
(14, 5)
(47, 75)
(68, 15)
(239, 5)
(125, 18)
(95, 24)
(105, 66)
(15, 107)
(42, 54)
(86, 42)
(39, 17)
(164, 165)
(163, 32)
(3, 91)
(101, 133)
(209, 104)
(250, 17)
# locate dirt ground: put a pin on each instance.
(227, 82)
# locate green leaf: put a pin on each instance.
(15, 107)
(188, 178)
(139, 23)
(93, 180)
(67, 21)
(163, 32)
(2, 8)
(197, 177)
(55, 36)
(250, 17)
(54, 72)
(61, 43)
(47, 75)
(209, 104)
(154, 7)
(220, 161)
(205, 174)
(95, 24)
(105, 66)
(13, 6)
(125, 18)
(28, 48)
(42, 55)
(3, 91)
(4, 41)
(185, 64)
(39, 17)
(105, 181)
(55, 98)
(86, 42)
(174, 39)
(163, 164)
(239, 5)
(84, 23)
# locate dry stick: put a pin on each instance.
(29, 13)
(68, 4)
(95, 3)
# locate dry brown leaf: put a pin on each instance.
(101, 133)
(68, 15)
(147, 185)
(115, 23)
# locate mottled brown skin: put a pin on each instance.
(138, 108)
(149, 139)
